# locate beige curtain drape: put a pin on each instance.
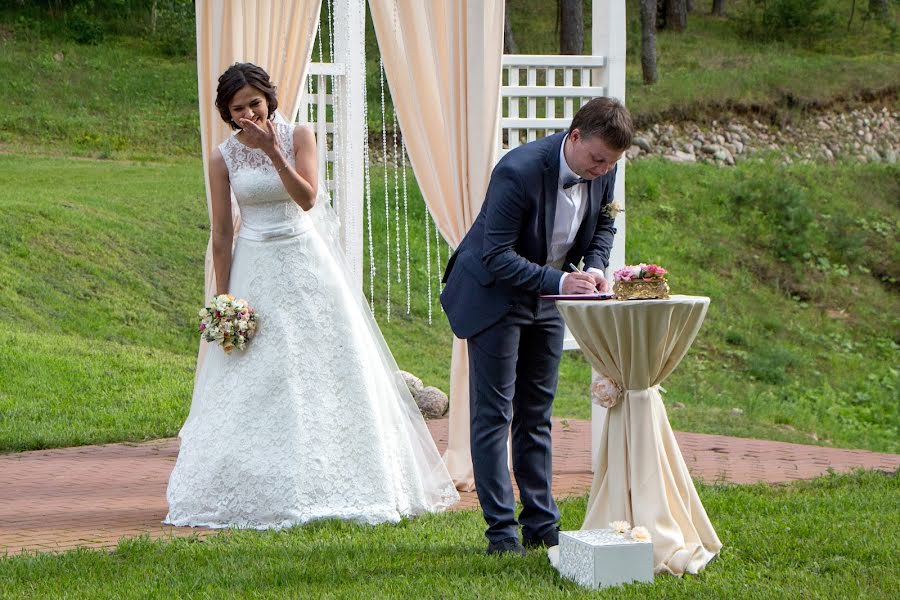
(278, 36)
(443, 66)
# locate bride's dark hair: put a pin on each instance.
(237, 76)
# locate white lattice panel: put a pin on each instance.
(541, 94)
(317, 108)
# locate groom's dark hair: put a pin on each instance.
(237, 76)
(607, 118)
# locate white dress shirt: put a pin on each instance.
(571, 205)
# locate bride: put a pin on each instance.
(312, 420)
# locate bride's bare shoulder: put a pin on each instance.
(304, 137)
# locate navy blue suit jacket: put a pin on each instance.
(502, 259)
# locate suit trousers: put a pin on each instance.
(513, 373)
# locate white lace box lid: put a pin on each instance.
(598, 558)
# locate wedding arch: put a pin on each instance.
(460, 103)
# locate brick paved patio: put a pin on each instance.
(56, 500)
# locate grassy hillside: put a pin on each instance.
(102, 259)
(104, 277)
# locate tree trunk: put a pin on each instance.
(153, 14)
(689, 5)
(571, 26)
(676, 15)
(648, 41)
(509, 43)
(878, 9)
(718, 8)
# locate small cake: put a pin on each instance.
(640, 282)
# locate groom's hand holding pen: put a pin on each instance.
(578, 282)
(599, 281)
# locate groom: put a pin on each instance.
(545, 209)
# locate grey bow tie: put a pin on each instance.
(572, 182)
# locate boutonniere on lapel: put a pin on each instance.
(613, 209)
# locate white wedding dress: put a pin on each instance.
(312, 420)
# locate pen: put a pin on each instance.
(577, 270)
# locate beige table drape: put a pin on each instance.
(276, 35)
(641, 476)
(443, 65)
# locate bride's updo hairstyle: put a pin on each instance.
(237, 76)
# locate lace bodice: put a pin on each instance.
(263, 201)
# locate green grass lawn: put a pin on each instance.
(835, 537)
(104, 277)
(101, 276)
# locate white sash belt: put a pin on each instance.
(278, 232)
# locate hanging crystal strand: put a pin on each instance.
(396, 166)
(330, 5)
(353, 216)
(315, 113)
(309, 78)
(438, 263)
(387, 194)
(428, 258)
(309, 94)
(330, 174)
(406, 225)
(368, 187)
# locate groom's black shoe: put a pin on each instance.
(509, 545)
(548, 540)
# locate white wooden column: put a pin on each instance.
(350, 104)
(608, 39)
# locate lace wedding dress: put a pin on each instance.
(312, 420)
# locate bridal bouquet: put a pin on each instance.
(229, 322)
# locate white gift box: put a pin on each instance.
(598, 558)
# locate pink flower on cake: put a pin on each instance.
(654, 272)
(624, 274)
(641, 271)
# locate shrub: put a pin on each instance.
(779, 214)
(794, 21)
(175, 33)
(83, 27)
(770, 364)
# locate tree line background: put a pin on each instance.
(170, 23)
(801, 22)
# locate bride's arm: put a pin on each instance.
(306, 166)
(222, 225)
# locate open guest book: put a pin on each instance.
(603, 296)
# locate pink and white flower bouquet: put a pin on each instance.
(228, 322)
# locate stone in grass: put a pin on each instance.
(599, 558)
(414, 384)
(432, 402)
